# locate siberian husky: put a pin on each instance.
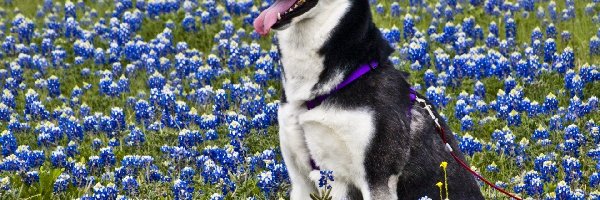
(377, 143)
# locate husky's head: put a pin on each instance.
(285, 13)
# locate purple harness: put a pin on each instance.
(362, 70)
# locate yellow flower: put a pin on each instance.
(444, 164)
(439, 184)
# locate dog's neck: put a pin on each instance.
(320, 50)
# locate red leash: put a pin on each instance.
(440, 130)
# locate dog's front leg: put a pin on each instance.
(379, 191)
(295, 152)
(384, 189)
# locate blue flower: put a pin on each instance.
(533, 183)
(107, 156)
(5, 184)
(32, 177)
(187, 174)
(492, 167)
(9, 142)
(395, 9)
(514, 118)
(130, 185)
(326, 176)
(510, 28)
(469, 144)
(594, 46)
(189, 23)
(466, 123)
(80, 174)
(96, 143)
(53, 86)
(216, 196)
(563, 191)
(379, 9)
(549, 50)
(189, 138)
(409, 25)
(571, 168)
(540, 133)
(183, 189)
(61, 183)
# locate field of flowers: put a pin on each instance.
(178, 99)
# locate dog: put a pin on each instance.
(377, 142)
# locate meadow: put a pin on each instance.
(178, 99)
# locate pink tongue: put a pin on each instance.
(268, 17)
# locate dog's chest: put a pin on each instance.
(337, 139)
(302, 65)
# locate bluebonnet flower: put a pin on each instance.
(575, 86)
(107, 156)
(80, 174)
(470, 145)
(594, 46)
(266, 183)
(211, 134)
(555, 123)
(326, 176)
(9, 142)
(379, 9)
(96, 143)
(61, 183)
(395, 9)
(563, 191)
(53, 86)
(409, 25)
(594, 179)
(504, 140)
(211, 172)
(130, 185)
(492, 41)
(492, 167)
(13, 164)
(571, 168)
(183, 189)
(31, 177)
(510, 28)
(549, 50)
(540, 133)
(550, 104)
(466, 123)
(135, 137)
(187, 174)
(216, 196)
(189, 138)
(493, 29)
(514, 118)
(5, 184)
(533, 183)
(565, 36)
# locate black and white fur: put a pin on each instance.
(378, 145)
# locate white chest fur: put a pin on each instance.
(299, 45)
(335, 139)
(338, 139)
